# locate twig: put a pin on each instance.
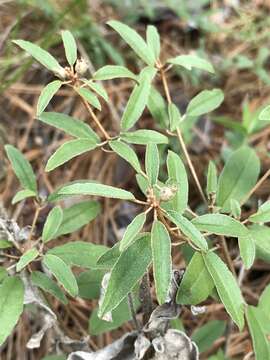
(180, 138)
(259, 183)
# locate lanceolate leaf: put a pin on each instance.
(127, 153)
(22, 168)
(40, 55)
(62, 273)
(206, 335)
(97, 88)
(127, 271)
(89, 97)
(79, 253)
(47, 94)
(205, 102)
(78, 215)
(134, 40)
(188, 229)
(174, 116)
(227, 287)
(220, 224)
(109, 72)
(255, 319)
(192, 61)
(23, 194)
(153, 40)
(27, 258)
(68, 151)
(70, 125)
(70, 47)
(132, 231)
(52, 224)
(196, 284)
(265, 114)
(263, 214)
(247, 249)
(138, 99)
(41, 280)
(152, 163)
(93, 188)
(11, 305)
(211, 179)
(142, 137)
(162, 261)
(238, 177)
(178, 176)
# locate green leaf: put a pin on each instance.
(132, 231)
(205, 102)
(40, 55)
(127, 271)
(79, 253)
(27, 258)
(174, 116)
(227, 288)
(261, 237)
(109, 72)
(247, 249)
(153, 40)
(265, 114)
(211, 179)
(196, 284)
(70, 47)
(263, 213)
(70, 125)
(235, 209)
(89, 283)
(3, 274)
(238, 177)
(78, 215)
(109, 257)
(177, 175)
(11, 305)
(89, 97)
(62, 273)
(47, 94)
(134, 40)
(220, 224)
(152, 163)
(188, 229)
(192, 61)
(206, 335)
(97, 88)
(68, 151)
(158, 108)
(22, 168)
(45, 283)
(23, 194)
(126, 153)
(52, 224)
(264, 300)
(120, 315)
(138, 99)
(162, 260)
(255, 319)
(4, 244)
(142, 137)
(93, 188)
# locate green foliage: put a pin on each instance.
(11, 305)
(204, 102)
(52, 224)
(47, 94)
(132, 231)
(192, 61)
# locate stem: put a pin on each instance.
(93, 115)
(133, 312)
(145, 298)
(259, 183)
(227, 254)
(180, 138)
(38, 209)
